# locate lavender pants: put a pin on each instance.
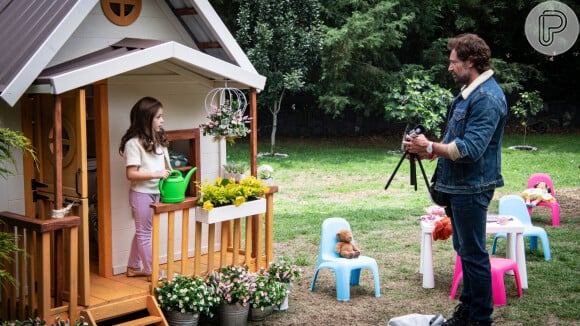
(143, 215)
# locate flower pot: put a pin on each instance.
(236, 176)
(283, 306)
(269, 181)
(233, 314)
(176, 318)
(230, 212)
(259, 314)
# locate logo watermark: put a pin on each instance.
(552, 28)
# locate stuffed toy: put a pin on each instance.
(442, 229)
(345, 247)
(540, 192)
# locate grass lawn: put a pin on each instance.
(346, 177)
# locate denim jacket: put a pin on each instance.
(476, 124)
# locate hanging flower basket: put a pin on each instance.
(225, 108)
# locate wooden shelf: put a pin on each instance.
(192, 137)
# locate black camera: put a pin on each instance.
(416, 131)
(419, 129)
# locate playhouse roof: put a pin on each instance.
(32, 32)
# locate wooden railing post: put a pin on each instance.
(258, 249)
(33, 293)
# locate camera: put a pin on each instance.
(419, 129)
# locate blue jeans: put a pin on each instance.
(468, 213)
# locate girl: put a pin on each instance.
(144, 147)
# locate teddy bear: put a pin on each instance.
(345, 247)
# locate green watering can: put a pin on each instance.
(173, 188)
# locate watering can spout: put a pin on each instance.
(188, 176)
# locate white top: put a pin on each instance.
(135, 155)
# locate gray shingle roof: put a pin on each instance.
(24, 26)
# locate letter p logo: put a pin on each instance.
(551, 28)
(551, 22)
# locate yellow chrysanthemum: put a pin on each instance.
(207, 205)
(239, 200)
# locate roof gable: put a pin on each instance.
(130, 54)
(56, 21)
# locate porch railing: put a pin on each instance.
(255, 251)
(44, 269)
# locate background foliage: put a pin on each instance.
(371, 47)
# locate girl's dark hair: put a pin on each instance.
(142, 115)
(471, 47)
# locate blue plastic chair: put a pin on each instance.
(516, 206)
(347, 271)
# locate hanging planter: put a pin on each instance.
(225, 108)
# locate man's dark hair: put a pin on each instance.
(471, 47)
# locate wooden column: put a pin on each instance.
(58, 236)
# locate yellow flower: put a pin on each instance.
(207, 205)
(239, 200)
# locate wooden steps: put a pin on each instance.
(143, 308)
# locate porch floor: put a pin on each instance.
(110, 289)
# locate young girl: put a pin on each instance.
(144, 147)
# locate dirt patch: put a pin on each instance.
(401, 291)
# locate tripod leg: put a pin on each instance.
(413, 170)
(395, 171)
(424, 176)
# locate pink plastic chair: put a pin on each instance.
(554, 206)
(499, 266)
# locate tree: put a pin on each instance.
(358, 58)
(420, 102)
(283, 40)
(528, 104)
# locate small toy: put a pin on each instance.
(540, 192)
(345, 247)
(442, 229)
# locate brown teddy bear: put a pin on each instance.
(345, 248)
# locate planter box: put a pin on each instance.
(230, 212)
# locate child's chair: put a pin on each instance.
(514, 205)
(347, 271)
(499, 267)
(554, 206)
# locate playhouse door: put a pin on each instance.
(74, 145)
(74, 167)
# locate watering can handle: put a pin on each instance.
(161, 180)
(175, 173)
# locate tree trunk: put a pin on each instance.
(275, 109)
(273, 134)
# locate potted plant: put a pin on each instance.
(186, 297)
(265, 172)
(234, 286)
(267, 294)
(236, 170)
(286, 272)
(225, 199)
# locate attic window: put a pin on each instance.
(121, 12)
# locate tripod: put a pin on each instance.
(413, 170)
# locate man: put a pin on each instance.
(469, 169)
